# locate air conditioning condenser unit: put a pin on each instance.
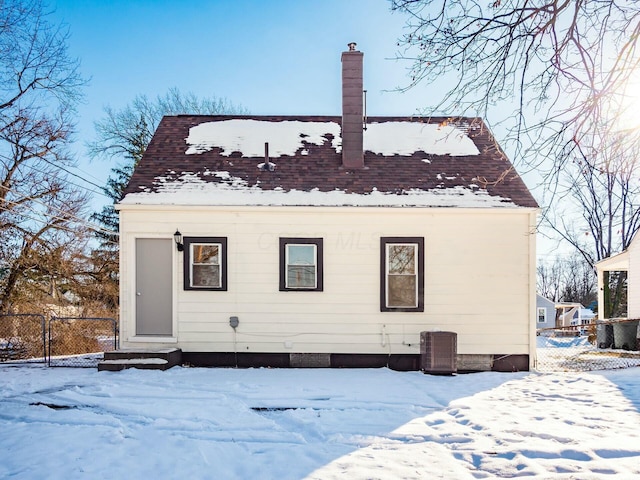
(438, 351)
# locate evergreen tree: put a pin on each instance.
(117, 182)
(125, 134)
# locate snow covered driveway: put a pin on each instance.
(319, 424)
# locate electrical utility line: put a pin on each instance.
(68, 216)
(84, 187)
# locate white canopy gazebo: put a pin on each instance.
(616, 263)
(572, 314)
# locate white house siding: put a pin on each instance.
(479, 279)
(633, 281)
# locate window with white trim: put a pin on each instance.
(205, 263)
(542, 315)
(301, 264)
(402, 274)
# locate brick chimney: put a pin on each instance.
(352, 109)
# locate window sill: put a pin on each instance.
(403, 309)
(142, 339)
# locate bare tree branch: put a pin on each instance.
(40, 210)
(562, 77)
(557, 68)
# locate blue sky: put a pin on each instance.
(272, 57)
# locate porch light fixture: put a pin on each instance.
(178, 238)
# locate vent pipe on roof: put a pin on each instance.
(268, 165)
(352, 108)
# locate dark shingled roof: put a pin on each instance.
(319, 166)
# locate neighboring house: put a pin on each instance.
(63, 305)
(545, 312)
(562, 314)
(627, 261)
(310, 241)
(626, 333)
(55, 310)
(584, 316)
(572, 314)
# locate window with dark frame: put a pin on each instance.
(402, 274)
(205, 263)
(301, 266)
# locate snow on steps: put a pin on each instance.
(142, 359)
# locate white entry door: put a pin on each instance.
(154, 305)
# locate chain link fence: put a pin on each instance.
(22, 338)
(60, 341)
(597, 346)
(80, 341)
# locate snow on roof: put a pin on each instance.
(248, 137)
(190, 189)
(422, 162)
(406, 138)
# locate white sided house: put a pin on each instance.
(626, 261)
(312, 241)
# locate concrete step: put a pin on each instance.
(141, 359)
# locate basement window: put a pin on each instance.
(301, 264)
(205, 260)
(402, 274)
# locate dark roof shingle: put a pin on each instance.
(171, 171)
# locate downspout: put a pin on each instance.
(601, 310)
(533, 361)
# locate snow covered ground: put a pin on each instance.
(68, 423)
